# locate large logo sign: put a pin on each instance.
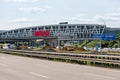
(41, 33)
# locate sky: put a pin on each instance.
(26, 13)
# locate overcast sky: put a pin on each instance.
(26, 13)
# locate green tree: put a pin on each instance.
(92, 44)
(111, 43)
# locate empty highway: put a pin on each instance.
(23, 68)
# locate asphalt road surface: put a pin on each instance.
(23, 68)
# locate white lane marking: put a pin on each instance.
(36, 74)
(4, 65)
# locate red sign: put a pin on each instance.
(42, 33)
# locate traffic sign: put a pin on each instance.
(104, 36)
(109, 37)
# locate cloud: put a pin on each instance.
(35, 9)
(79, 18)
(21, 20)
(113, 17)
(47, 7)
(76, 19)
(22, 1)
(108, 17)
(80, 15)
(117, 14)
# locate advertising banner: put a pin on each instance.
(42, 33)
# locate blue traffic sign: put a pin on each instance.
(98, 36)
(109, 37)
(104, 36)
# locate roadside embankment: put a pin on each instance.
(109, 61)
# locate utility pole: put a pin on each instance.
(58, 42)
(101, 41)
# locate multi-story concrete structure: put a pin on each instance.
(63, 31)
(56, 33)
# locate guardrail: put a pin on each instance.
(87, 59)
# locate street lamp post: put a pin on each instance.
(58, 42)
(100, 43)
(71, 38)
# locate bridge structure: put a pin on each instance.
(58, 32)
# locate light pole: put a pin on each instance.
(71, 38)
(100, 42)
